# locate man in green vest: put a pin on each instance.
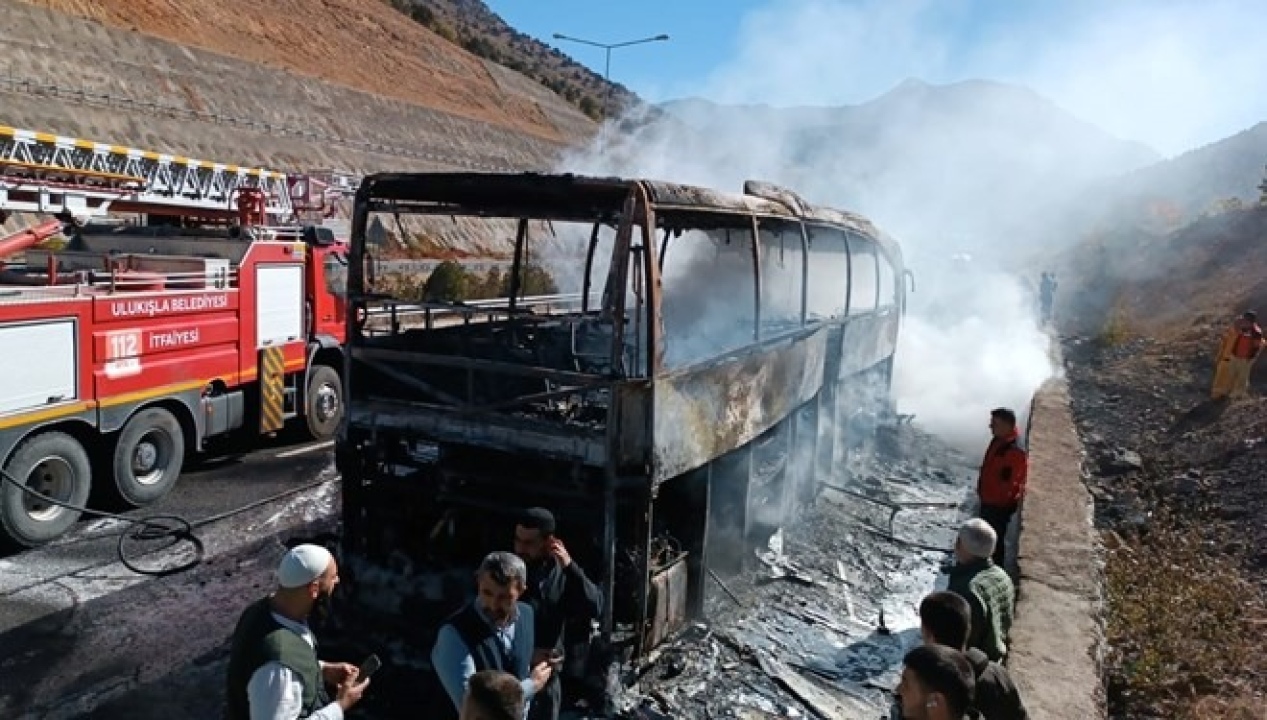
(274, 673)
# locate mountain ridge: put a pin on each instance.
(978, 159)
(906, 90)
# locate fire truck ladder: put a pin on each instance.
(46, 173)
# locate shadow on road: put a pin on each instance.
(220, 456)
(153, 650)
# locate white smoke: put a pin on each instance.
(969, 343)
(976, 347)
(971, 339)
(1173, 75)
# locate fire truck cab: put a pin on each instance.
(142, 337)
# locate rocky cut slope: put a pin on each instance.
(351, 84)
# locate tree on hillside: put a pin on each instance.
(490, 286)
(536, 281)
(449, 282)
(590, 107)
(423, 15)
(377, 235)
(1227, 205)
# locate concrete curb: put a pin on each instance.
(1057, 639)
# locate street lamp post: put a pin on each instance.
(607, 67)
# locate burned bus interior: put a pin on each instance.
(674, 403)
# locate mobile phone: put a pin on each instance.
(369, 667)
(556, 658)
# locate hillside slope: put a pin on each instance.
(1177, 476)
(1186, 185)
(1180, 285)
(76, 77)
(474, 26)
(361, 44)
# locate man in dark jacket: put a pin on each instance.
(1047, 294)
(945, 619)
(936, 684)
(563, 599)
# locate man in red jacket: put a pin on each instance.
(1001, 484)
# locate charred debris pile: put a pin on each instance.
(817, 622)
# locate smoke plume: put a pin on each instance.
(971, 340)
(975, 169)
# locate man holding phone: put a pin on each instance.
(492, 632)
(274, 673)
(563, 600)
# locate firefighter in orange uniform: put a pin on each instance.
(1240, 346)
(1004, 470)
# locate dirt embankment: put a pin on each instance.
(76, 77)
(1176, 476)
(361, 44)
(1177, 481)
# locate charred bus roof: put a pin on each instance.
(565, 196)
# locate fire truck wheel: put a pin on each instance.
(56, 465)
(325, 402)
(148, 457)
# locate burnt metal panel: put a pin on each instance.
(867, 340)
(498, 432)
(531, 195)
(668, 600)
(707, 410)
(858, 345)
(667, 195)
(632, 402)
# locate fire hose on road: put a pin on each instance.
(152, 528)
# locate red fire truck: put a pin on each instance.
(190, 300)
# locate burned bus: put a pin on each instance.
(675, 405)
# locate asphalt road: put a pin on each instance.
(78, 628)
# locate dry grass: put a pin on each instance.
(1117, 325)
(1185, 627)
(1246, 707)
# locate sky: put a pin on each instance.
(1173, 74)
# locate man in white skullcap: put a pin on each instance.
(274, 673)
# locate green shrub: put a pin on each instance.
(449, 282)
(536, 281)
